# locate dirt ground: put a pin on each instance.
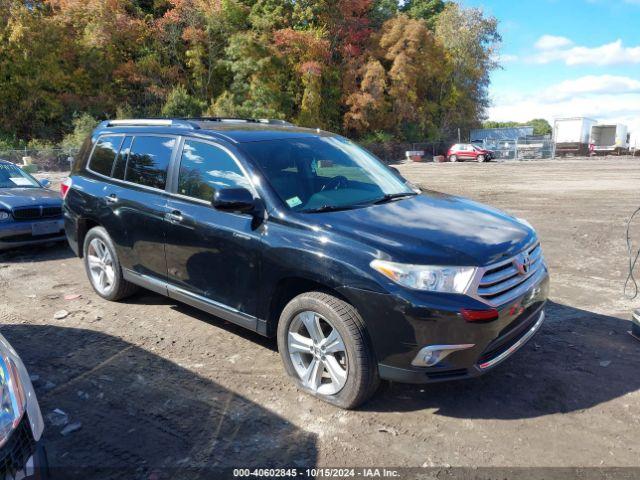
(158, 386)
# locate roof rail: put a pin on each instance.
(150, 122)
(270, 121)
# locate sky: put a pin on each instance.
(566, 58)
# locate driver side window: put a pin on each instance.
(204, 168)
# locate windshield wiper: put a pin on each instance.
(330, 208)
(392, 196)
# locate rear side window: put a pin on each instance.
(204, 167)
(149, 160)
(104, 154)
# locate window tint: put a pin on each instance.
(148, 161)
(204, 167)
(323, 172)
(121, 160)
(104, 154)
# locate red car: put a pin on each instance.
(468, 151)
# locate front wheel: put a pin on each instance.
(481, 158)
(324, 348)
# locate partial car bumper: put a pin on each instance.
(17, 234)
(401, 329)
(22, 457)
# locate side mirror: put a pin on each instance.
(233, 200)
(45, 183)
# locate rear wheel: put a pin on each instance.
(324, 348)
(103, 267)
(453, 158)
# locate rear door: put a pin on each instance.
(139, 205)
(212, 256)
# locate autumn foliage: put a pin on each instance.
(415, 71)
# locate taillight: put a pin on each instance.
(480, 315)
(64, 187)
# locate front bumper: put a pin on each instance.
(22, 457)
(15, 234)
(400, 326)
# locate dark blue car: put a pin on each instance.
(29, 212)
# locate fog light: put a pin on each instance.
(431, 355)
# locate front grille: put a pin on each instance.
(32, 213)
(18, 449)
(500, 280)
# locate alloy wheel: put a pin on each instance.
(100, 264)
(318, 353)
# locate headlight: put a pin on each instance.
(425, 277)
(12, 398)
(4, 216)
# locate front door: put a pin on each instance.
(212, 256)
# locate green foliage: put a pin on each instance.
(416, 70)
(427, 10)
(471, 42)
(540, 125)
(83, 125)
(180, 104)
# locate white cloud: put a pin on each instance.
(505, 58)
(549, 42)
(589, 85)
(614, 53)
(606, 98)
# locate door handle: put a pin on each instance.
(113, 198)
(174, 216)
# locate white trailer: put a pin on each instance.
(571, 135)
(613, 139)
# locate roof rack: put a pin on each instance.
(269, 121)
(191, 123)
(150, 122)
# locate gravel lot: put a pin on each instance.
(158, 385)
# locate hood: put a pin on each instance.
(434, 228)
(11, 198)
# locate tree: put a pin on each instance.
(471, 41)
(427, 10)
(83, 125)
(181, 104)
(398, 84)
(540, 126)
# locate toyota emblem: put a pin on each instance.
(522, 263)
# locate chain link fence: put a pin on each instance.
(48, 159)
(527, 148)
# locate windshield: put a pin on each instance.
(325, 173)
(12, 176)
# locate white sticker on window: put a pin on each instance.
(294, 202)
(20, 181)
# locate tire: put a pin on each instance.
(481, 158)
(118, 288)
(362, 378)
(453, 158)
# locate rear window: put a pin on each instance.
(149, 160)
(104, 154)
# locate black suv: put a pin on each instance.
(303, 235)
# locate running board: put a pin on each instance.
(210, 306)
